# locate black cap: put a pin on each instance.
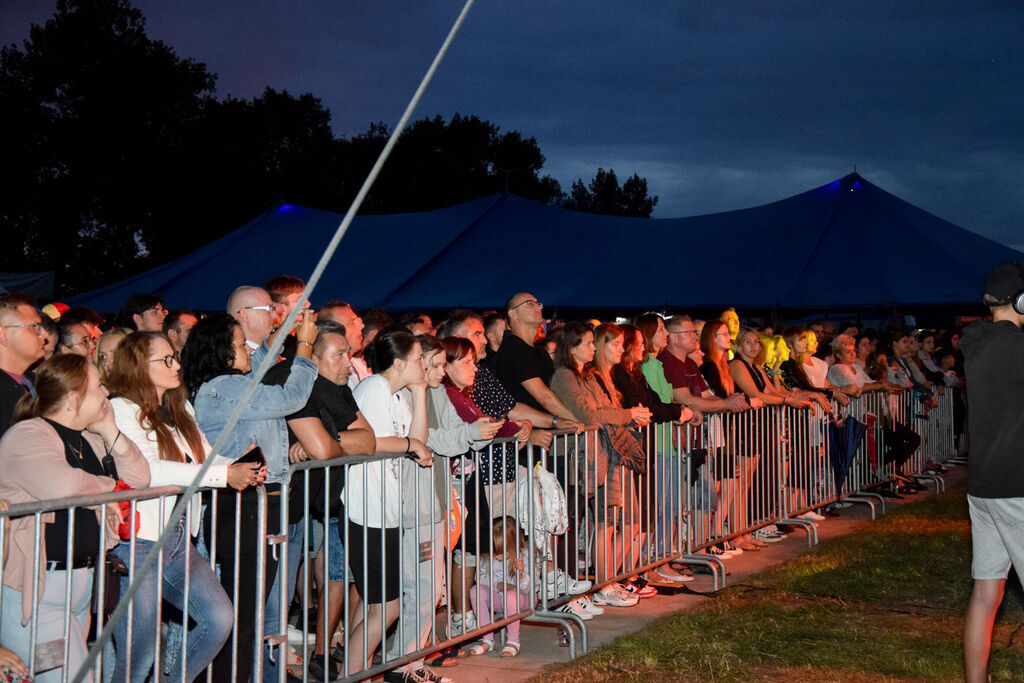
(1003, 284)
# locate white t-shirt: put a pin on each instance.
(372, 493)
(843, 375)
(816, 372)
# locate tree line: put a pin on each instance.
(118, 155)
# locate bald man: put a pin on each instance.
(254, 310)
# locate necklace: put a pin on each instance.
(77, 451)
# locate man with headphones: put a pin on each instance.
(994, 368)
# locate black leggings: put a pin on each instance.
(248, 548)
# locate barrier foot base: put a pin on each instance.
(807, 525)
(862, 497)
(940, 484)
(716, 566)
(563, 620)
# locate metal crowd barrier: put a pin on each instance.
(700, 487)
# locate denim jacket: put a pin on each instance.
(263, 420)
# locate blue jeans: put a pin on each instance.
(272, 614)
(666, 468)
(49, 616)
(208, 607)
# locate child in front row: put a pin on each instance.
(501, 584)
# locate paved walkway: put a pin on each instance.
(540, 642)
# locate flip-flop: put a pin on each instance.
(443, 659)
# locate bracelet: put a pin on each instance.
(408, 445)
(303, 341)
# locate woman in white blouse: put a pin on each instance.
(393, 401)
(151, 410)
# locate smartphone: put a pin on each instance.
(255, 455)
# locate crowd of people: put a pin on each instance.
(89, 406)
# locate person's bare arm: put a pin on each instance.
(705, 404)
(544, 396)
(538, 418)
(746, 384)
(316, 441)
(358, 438)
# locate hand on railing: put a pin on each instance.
(296, 453)
(797, 402)
(756, 403)
(641, 415)
(525, 432)
(488, 427)
(541, 438)
(737, 403)
(420, 453)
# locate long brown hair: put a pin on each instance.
(130, 379)
(629, 344)
(604, 335)
(60, 375)
(715, 355)
(572, 336)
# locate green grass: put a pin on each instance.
(885, 604)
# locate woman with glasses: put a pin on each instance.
(153, 412)
(56, 449)
(75, 338)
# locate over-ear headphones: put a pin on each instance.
(1017, 300)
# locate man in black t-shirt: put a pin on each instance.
(328, 426)
(524, 370)
(994, 365)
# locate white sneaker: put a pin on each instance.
(730, 548)
(813, 516)
(560, 583)
(766, 536)
(575, 608)
(669, 574)
(458, 625)
(295, 636)
(772, 529)
(614, 596)
(588, 604)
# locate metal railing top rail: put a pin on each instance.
(53, 504)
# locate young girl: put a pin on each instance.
(502, 584)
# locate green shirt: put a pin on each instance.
(654, 373)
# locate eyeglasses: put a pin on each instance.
(169, 361)
(684, 332)
(88, 342)
(267, 307)
(36, 327)
(528, 302)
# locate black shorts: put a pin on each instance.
(375, 585)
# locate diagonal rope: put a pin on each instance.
(275, 347)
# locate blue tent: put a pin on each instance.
(845, 244)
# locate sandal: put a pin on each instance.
(480, 648)
(444, 659)
(511, 649)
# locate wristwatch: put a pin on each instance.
(554, 421)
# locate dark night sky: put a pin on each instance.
(721, 105)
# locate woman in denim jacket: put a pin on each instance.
(216, 365)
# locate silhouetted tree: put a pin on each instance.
(604, 196)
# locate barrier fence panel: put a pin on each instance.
(379, 542)
(54, 640)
